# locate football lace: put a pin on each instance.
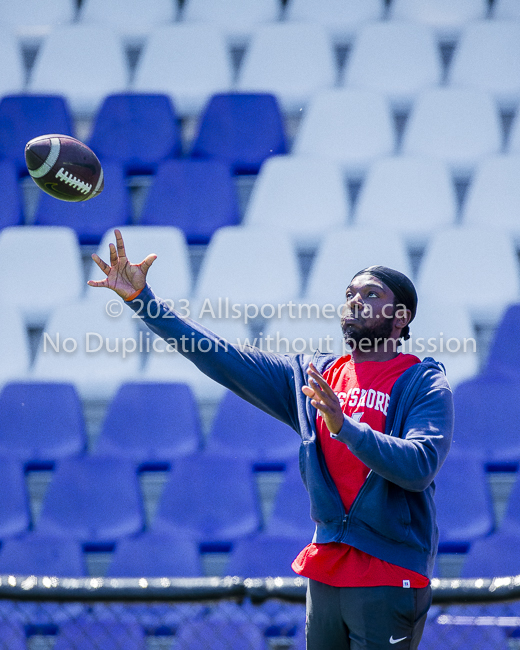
(74, 182)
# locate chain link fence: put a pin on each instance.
(45, 613)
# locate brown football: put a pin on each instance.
(64, 167)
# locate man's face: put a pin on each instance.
(369, 311)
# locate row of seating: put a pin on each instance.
(191, 61)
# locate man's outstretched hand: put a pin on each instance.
(122, 277)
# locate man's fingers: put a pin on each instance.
(102, 265)
(98, 283)
(113, 254)
(120, 243)
(147, 262)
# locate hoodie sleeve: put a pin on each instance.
(263, 379)
(411, 457)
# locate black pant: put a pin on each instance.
(373, 618)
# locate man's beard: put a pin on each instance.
(372, 337)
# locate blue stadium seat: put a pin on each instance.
(220, 635)
(487, 412)
(242, 430)
(290, 516)
(211, 499)
(151, 422)
(197, 196)
(23, 117)
(12, 634)
(263, 555)
(490, 637)
(464, 508)
(86, 634)
(37, 554)
(504, 353)
(92, 500)
(241, 130)
(496, 555)
(14, 503)
(90, 219)
(136, 130)
(41, 422)
(11, 208)
(155, 556)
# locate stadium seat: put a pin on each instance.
(350, 126)
(514, 136)
(14, 345)
(210, 499)
(241, 130)
(62, 54)
(458, 126)
(504, 355)
(472, 256)
(24, 116)
(41, 422)
(40, 288)
(92, 500)
(301, 195)
(511, 520)
(12, 633)
(90, 219)
(291, 511)
(506, 9)
(341, 19)
(487, 409)
(11, 208)
(490, 637)
(262, 556)
(188, 62)
(84, 345)
(150, 422)
(240, 430)
(134, 20)
(412, 195)
(196, 196)
(447, 17)
(86, 634)
(236, 18)
(398, 59)
(447, 335)
(220, 635)
(35, 554)
(246, 266)
(14, 503)
(170, 275)
(496, 555)
(36, 18)
(13, 76)
(488, 58)
(137, 130)
(349, 251)
(462, 498)
(155, 556)
(291, 60)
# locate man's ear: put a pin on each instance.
(403, 316)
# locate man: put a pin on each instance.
(376, 427)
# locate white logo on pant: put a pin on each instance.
(392, 640)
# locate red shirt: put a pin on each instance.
(364, 392)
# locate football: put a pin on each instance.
(64, 167)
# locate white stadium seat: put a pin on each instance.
(12, 79)
(493, 197)
(459, 126)
(506, 9)
(345, 252)
(83, 345)
(289, 60)
(447, 17)
(249, 265)
(410, 194)
(189, 62)
(236, 18)
(350, 126)
(301, 195)
(475, 267)
(341, 19)
(488, 58)
(14, 345)
(396, 58)
(133, 19)
(42, 269)
(170, 274)
(62, 66)
(33, 19)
